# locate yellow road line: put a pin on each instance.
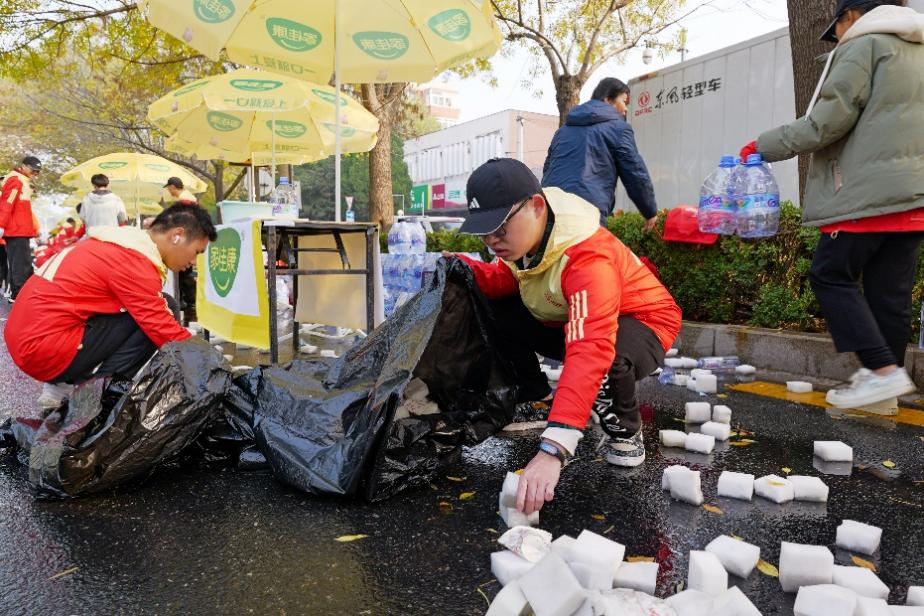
(911, 417)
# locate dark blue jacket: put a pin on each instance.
(594, 148)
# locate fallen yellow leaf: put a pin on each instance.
(767, 569)
(445, 506)
(862, 562)
(713, 509)
(640, 559)
(597, 516)
(722, 396)
(787, 470)
(349, 538)
(743, 443)
(889, 464)
(466, 496)
(519, 472)
(460, 479)
(736, 537)
(921, 438)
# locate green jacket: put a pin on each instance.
(865, 130)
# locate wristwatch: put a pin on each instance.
(552, 450)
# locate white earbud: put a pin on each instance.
(176, 239)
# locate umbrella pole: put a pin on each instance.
(253, 180)
(273, 172)
(337, 110)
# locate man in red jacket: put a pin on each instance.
(17, 226)
(96, 308)
(563, 287)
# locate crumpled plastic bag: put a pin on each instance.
(106, 437)
(621, 602)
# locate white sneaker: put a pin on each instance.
(886, 408)
(868, 388)
(53, 395)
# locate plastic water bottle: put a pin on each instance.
(284, 200)
(418, 238)
(716, 208)
(718, 363)
(759, 210)
(399, 238)
(667, 376)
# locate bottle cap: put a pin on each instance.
(283, 181)
(755, 159)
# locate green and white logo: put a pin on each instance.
(157, 167)
(191, 87)
(223, 122)
(115, 164)
(453, 25)
(224, 258)
(329, 97)
(213, 11)
(292, 35)
(288, 129)
(382, 45)
(256, 85)
(345, 131)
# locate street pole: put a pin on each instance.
(521, 132)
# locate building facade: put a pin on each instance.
(441, 103)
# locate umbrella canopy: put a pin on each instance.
(248, 114)
(132, 176)
(378, 41)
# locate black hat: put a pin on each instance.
(32, 162)
(842, 7)
(493, 189)
(175, 182)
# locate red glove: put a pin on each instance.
(747, 150)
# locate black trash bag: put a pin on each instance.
(100, 440)
(327, 426)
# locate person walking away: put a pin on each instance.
(96, 309)
(102, 207)
(178, 193)
(17, 223)
(865, 190)
(595, 148)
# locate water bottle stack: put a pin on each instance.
(403, 265)
(740, 198)
(284, 200)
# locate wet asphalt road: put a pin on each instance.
(232, 543)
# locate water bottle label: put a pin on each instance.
(761, 202)
(712, 202)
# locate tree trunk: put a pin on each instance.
(807, 21)
(382, 101)
(219, 186)
(567, 95)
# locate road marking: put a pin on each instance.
(911, 417)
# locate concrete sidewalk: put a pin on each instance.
(801, 353)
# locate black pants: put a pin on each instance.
(4, 268)
(638, 354)
(187, 293)
(863, 282)
(19, 256)
(113, 345)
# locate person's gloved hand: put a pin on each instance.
(747, 150)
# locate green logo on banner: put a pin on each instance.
(345, 131)
(453, 25)
(288, 129)
(191, 88)
(329, 97)
(157, 167)
(113, 165)
(223, 122)
(213, 11)
(224, 257)
(292, 35)
(255, 85)
(382, 45)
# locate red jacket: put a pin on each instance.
(912, 220)
(585, 281)
(117, 268)
(16, 206)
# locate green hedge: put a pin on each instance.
(762, 283)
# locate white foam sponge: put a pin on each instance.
(592, 577)
(798, 387)
(738, 557)
(689, 363)
(551, 589)
(736, 485)
(733, 602)
(824, 600)
(872, 607)
(510, 601)
(745, 369)
(834, 451)
(700, 443)
(670, 472)
(707, 573)
(860, 580)
(641, 576)
(597, 550)
(721, 414)
(507, 566)
(810, 489)
(805, 565)
(707, 384)
(562, 546)
(692, 603)
(673, 362)
(687, 487)
(915, 596)
(698, 412)
(673, 438)
(672, 353)
(858, 537)
(775, 488)
(719, 431)
(698, 372)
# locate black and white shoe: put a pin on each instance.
(628, 451)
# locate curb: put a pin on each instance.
(802, 353)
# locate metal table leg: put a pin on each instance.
(271, 291)
(370, 283)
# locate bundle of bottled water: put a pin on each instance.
(740, 198)
(284, 200)
(404, 265)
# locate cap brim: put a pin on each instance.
(830, 34)
(484, 222)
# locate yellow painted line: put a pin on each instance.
(911, 417)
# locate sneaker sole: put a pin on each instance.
(625, 462)
(886, 408)
(873, 399)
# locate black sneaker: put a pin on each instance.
(626, 451)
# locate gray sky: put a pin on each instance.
(723, 23)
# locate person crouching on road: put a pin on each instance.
(96, 309)
(567, 289)
(865, 132)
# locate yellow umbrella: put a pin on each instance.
(373, 41)
(249, 114)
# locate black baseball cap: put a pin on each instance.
(32, 162)
(492, 190)
(842, 7)
(175, 182)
